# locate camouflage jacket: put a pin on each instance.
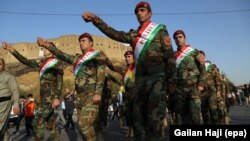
(91, 76)
(52, 78)
(212, 76)
(159, 57)
(191, 72)
(117, 76)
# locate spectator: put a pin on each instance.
(8, 94)
(70, 106)
(21, 115)
(29, 110)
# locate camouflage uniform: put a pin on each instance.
(209, 96)
(190, 74)
(8, 95)
(51, 84)
(88, 82)
(222, 110)
(154, 71)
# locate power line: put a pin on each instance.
(117, 14)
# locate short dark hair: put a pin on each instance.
(202, 52)
(30, 95)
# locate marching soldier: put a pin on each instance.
(89, 70)
(154, 66)
(51, 83)
(190, 81)
(209, 94)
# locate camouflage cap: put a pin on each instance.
(143, 4)
(179, 32)
(85, 35)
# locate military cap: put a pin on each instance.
(128, 53)
(143, 4)
(179, 32)
(85, 35)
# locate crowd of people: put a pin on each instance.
(156, 81)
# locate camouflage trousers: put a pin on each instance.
(89, 122)
(45, 119)
(209, 106)
(149, 107)
(187, 105)
(222, 111)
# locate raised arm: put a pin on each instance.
(107, 30)
(55, 51)
(31, 63)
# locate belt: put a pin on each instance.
(2, 99)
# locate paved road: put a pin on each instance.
(240, 115)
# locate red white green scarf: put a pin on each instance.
(129, 74)
(182, 54)
(90, 54)
(143, 40)
(208, 66)
(50, 63)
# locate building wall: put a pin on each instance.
(68, 44)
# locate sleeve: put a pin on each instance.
(31, 63)
(119, 36)
(217, 80)
(61, 55)
(202, 70)
(109, 64)
(60, 78)
(14, 89)
(115, 77)
(169, 56)
(100, 76)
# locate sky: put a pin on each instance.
(221, 28)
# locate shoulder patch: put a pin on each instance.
(167, 41)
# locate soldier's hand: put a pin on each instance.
(42, 42)
(16, 109)
(200, 88)
(7, 46)
(88, 16)
(96, 99)
(56, 103)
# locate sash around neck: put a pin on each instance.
(183, 53)
(143, 40)
(49, 63)
(90, 54)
